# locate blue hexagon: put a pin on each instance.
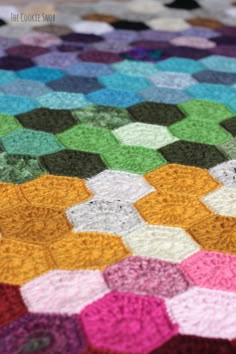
(40, 73)
(181, 65)
(15, 105)
(232, 105)
(108, 97)
(7, 76)
(212, 92)
(164, 95)
(25, 88)
(137, 68)
(89, 69)
(63, 100)
(119, 81)
(220, 63)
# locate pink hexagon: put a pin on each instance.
(40, 39)
(193, 42)
(211, 270)
(204, 312)
(146, 276)
(62, 291)
(127, 323)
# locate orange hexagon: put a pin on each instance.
(20, 262)
(11, 196)
(88, 250)
(182, 179)
(33, 224)
(216, 233)
(171, 209)
(55, 191)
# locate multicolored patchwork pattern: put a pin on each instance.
(117, 177)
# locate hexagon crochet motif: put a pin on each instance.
(139, 328)
(146, 276)
(82, 287)
(103, 215)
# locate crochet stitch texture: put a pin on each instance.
(118, 177)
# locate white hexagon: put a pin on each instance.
(145, 7)
(94, 27)
(118, 185)
(168, 24)
(110, 216)
(167, 243)
(225, 172)
(147, 135)
(222, 201)
(64, 292)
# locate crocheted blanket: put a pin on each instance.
(118, 177)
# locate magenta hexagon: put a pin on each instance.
(127, 323)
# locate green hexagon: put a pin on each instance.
(228, 149)
(103, 116)
(86, 138)
(134, 159)
(200, 131)
(19, 168)
(8, 124)
(206, 110)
